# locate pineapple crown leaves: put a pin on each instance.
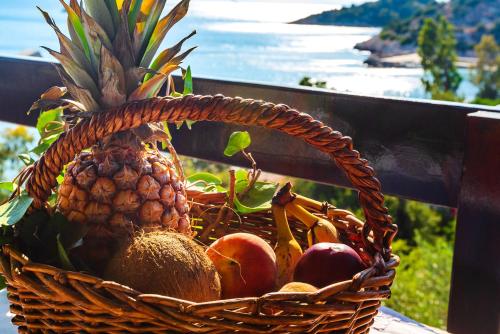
(108, 58)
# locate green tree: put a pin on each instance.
(307, 81)
(436, 48)
(487, 70)
(15, 141)
(422, 285)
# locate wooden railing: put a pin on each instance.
(436, 152)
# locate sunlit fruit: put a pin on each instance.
(246, 264)
(165, 263)
(326, 263)
(298, 287)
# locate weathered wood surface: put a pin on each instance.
(475, 282)
(387, 322)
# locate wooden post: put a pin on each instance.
(475, 300)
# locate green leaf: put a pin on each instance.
(63, 256)
(113, 10)
(166, 55)
(83, 96)
(205, 182)
(45, 143)
(205, 177)
(68, 47)
(243, 209)
(52, 200)
(238, 141)
(46, 118)
(241, 175)
(9, 186)
(99, 10)
(26, 159)
(148, 89)
(132, 15)
(174, 63)
(14, 210)
(40, 149)
(146, 24)
(77, 26)
(257, 199)
(96, 37)
(76, 73)
(188, 82)
(179, 124)
(167, 130)
(161, 29)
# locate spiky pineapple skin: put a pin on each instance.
(121, 188)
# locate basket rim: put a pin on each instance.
(368, 278)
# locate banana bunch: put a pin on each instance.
(320, 230)
(287, 249)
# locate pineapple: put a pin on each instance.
(123, 183)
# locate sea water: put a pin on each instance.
(248, 40)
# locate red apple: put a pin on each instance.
(326, 263)
(246, 265)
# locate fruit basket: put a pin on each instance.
(47, 299)
(99, 235)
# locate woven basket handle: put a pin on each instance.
(230, 110)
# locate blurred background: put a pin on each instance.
(444, 50)
(253, 40)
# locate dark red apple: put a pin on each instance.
(326, 263)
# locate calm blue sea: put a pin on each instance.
(248, 40)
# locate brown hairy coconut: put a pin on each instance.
(165, 263)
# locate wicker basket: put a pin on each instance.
(46, 299)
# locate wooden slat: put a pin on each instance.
(475, 285)
(416, 147)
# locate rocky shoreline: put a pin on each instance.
(384, 48)
(411, 60)
(386, 53)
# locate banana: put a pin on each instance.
(301, 214)
(323, 231)
(288, 251)
(308, 203)
(320, 230)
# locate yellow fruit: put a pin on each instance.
(287, 249)
(308, 203)
(320, 230)
(298, 287)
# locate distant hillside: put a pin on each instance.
(402, 19)
(371, 14)
(471, 18)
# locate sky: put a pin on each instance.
(273, 11)
(267, 11)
